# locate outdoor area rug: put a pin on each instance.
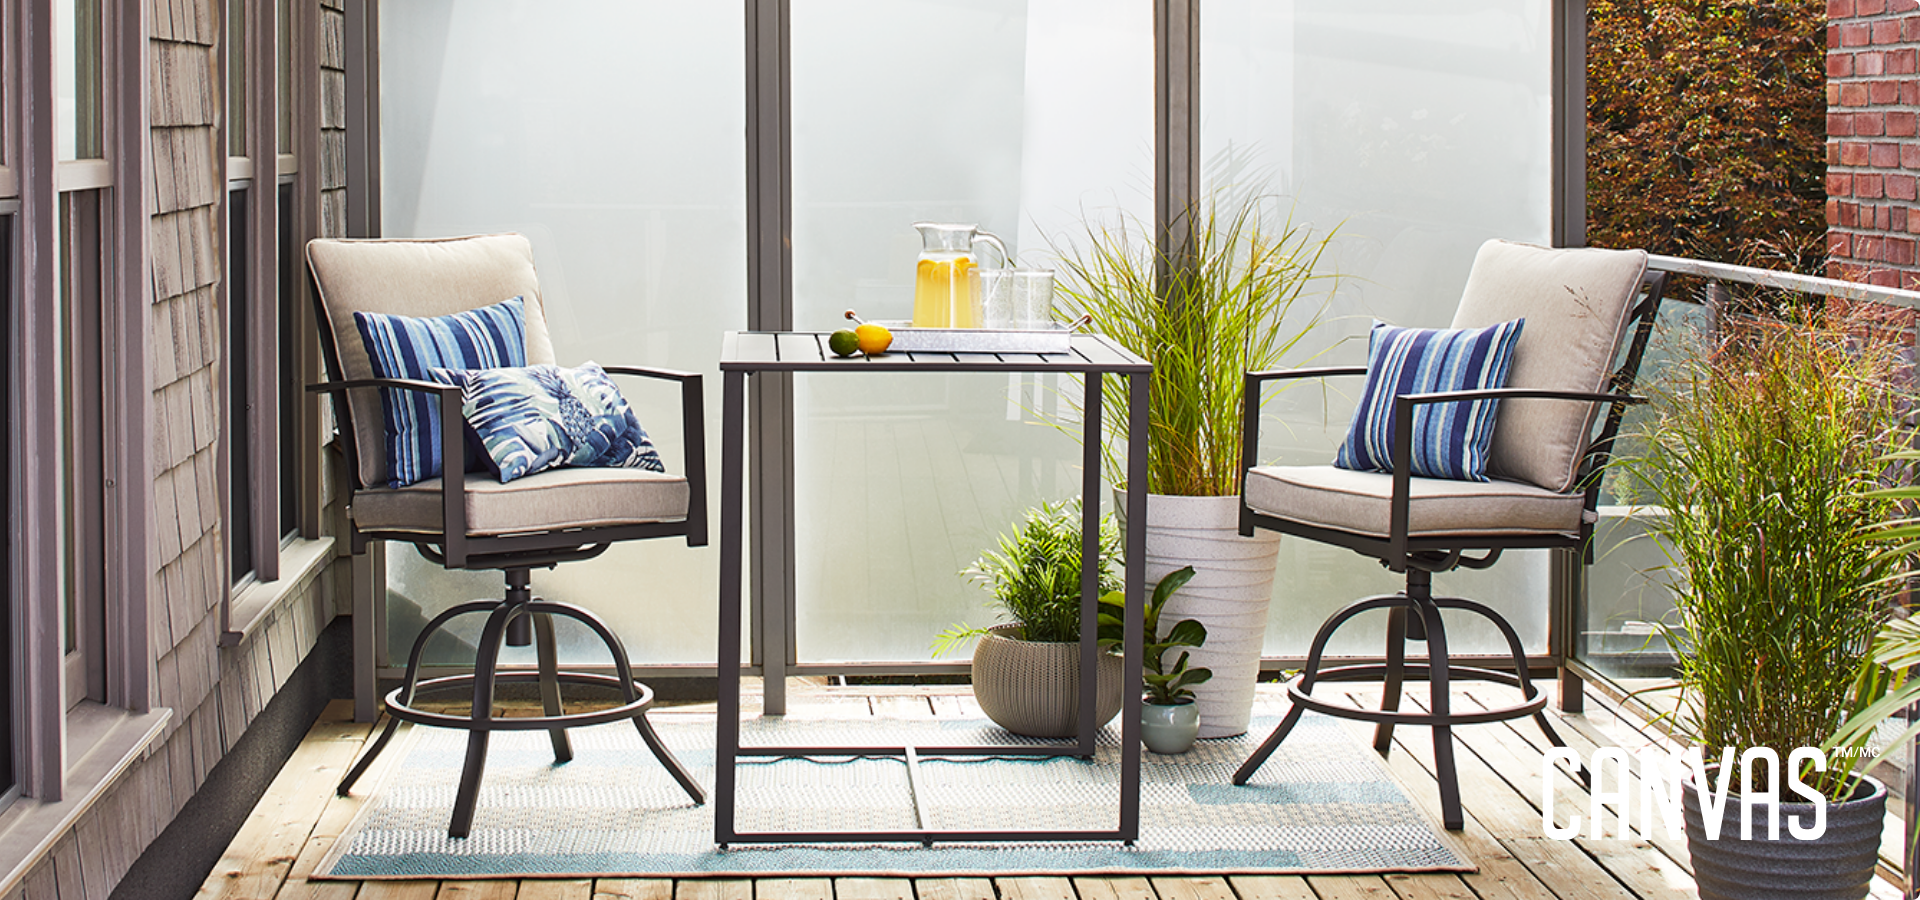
(1321, 804)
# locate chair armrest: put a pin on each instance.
(653, 372)
(1403, 406)
(693, 425)
(453, 455)
(1250, 409)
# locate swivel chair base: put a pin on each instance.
(1414, 616)
(507, 621)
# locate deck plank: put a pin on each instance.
(1350, 887)
(633, 889)
(492, 889)
(872, 889)
(1271, 887)
(1113, 888)
(1429, 887)
(556, 889)
(1207, 887)
(398, 890)
(262, 853)
(713, 889)
(1036, 888)
(793, 889)
(954, 888)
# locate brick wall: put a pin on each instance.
(1873, 140)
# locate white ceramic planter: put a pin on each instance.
(1231, 587)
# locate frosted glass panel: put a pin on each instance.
(609, 133)
(1419, 128)
(1015, 115)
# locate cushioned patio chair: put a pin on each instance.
(465, 519)
(1566, 364)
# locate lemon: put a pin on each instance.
(843, 343)
(874, 339)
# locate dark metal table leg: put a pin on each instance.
(1090, 566)
(726, 743)
(1135, 646)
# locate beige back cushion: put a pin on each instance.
(1576, 303)
(417, 278)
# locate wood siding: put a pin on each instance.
(215, 692)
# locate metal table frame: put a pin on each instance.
(749, 353)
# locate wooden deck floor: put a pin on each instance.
(298, 819)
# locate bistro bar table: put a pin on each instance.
(747, 353)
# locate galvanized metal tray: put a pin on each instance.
(908, 339)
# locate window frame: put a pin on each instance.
(275, 316)
(40, 715)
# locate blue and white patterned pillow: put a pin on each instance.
(543, 417)
(1450, 440)
(406, 347)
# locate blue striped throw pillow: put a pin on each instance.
(543, 417)
(1450, 440)
(406, 347)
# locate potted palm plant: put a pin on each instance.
(1764, 461)
(1169, 723)
(1026, 670)
(1229, 298)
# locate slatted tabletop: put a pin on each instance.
(805, 351)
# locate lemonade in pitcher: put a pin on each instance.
(942, 295)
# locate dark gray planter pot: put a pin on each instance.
(1033, 688)
(1836, 866)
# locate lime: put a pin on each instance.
(843, 343)
(874, 339)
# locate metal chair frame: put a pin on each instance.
(519, 618)
(1414, 614)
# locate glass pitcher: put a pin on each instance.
(942, 296)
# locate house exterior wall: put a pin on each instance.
(214, 691)
(1873, 141)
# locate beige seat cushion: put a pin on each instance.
(1576, 303)
(1359, 502)
(543, 501)
(418, 278)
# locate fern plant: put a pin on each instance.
(1034, 576)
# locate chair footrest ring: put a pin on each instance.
(635, 707)
(1378, 672)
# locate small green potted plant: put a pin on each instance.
(1026, 670)
(1169, 722)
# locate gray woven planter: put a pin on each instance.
(1836, 866)
(1033, 688)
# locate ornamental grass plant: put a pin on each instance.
(1228, 308)
(1765, 459)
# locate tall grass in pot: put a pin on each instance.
(1241, 293)
(1765, 459)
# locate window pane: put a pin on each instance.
(7, 776)
(1420, 128)
(237, 77)
(81, 468)
(290, 394)
(76, 77)
(283, 64)
(239, 424)
(1013, 115)
(609, 133)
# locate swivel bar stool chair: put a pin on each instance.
(1580, 307)
(473, 521)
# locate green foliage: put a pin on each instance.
(1706, 129)
(1165, 686)
(1886, 685)
(1035, 575)
(1765, 457)
(1225, 313)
